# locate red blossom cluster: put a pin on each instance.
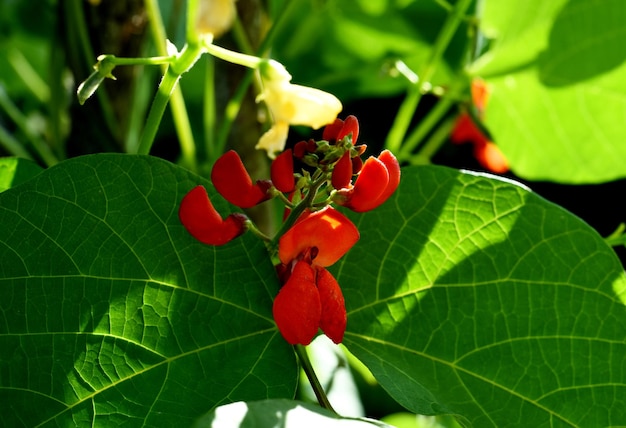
(315, 234)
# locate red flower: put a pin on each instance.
(328, 231)
(378, 179)
(297, 307)
(232, 181)
(311, 298)
(204, 223)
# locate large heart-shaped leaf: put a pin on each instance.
(556, 73)
(473, 296)
(111, 313)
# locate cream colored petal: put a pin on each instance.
(313, 107)
(273, 141)
(215, 16)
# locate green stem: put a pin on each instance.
(162, 97)
(617, 238)
(12, 145)
(169, 91)
(75, 15)
(154, 60)
(431, 147)
(322, 399)
(295, 213)
(28, 75)
(209, 109)
(415, 92)
(14, 113)
(433, 117)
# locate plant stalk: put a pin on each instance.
(322, 399)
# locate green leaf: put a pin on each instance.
(349, 48)
(557, 89)
(472, 296)
(111, 313)
(14, 171)
(279, 414)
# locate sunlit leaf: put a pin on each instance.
(475, 297)
(111, 313)
(349, 48)
(558, 99)
(14, 171)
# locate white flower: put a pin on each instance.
(215, 17)
(292, 105)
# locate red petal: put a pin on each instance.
(350, 126)
(300, 149)
(332, 233)
(204, 223)
(480, 94)
(331, 131)
(342, 172)
(368, 187)
(281, 172)
(334, 318)
(393, 169)
(490, 157)
(232, 181)
(297, 308)
(465, 130)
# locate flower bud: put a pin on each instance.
(232, 181)
(297, 308)
(281, 172)
(215, 17)
(342, 172)
(204, 223)
(340, 129)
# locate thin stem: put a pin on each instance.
(428, 150)
(209, 109)
(161, 98)
(14, 113)
(154, 60)
(12, 145)
(173, 92)
(415, 92)
(322, 399)
(433, 117)
(617, 238)
(76, 15)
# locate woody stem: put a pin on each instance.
(322, 399)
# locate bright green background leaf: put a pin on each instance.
(556, 73)
(111, 313)
(348, 48)
(473, 296)
(14, 171)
